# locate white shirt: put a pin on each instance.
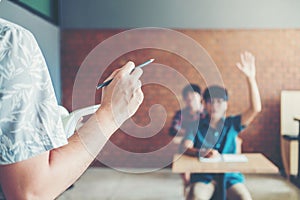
(29, 118)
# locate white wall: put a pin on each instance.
(203, 14)
(47, 35)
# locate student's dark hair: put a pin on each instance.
(215, 91)
(190, 88)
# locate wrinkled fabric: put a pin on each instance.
(29, 119)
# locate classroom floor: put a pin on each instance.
(108, 184)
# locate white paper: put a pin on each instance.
(226, 158)
(216, 159)
(234, 158)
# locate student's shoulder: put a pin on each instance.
(178, 112)
(183, 111)
(234, 117)
(234, 120)
(177, 115)
(203, 123)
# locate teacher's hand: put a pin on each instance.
(123, 96)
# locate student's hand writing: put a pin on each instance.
(212, 153)
(247, 65)
(123, 96)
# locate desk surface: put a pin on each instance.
(257, 163)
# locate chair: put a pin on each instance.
(289, 128)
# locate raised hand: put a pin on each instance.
(247, 65)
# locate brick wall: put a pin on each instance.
(278, 67)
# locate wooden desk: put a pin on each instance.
(257, 163)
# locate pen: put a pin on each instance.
(139, 66)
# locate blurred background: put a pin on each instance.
(68, 30)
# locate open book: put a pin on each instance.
(226, 158)
(70, 120)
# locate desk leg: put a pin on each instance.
(221, 187)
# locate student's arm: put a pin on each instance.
(176, 125)
(247, 66)
(188, 146)
(47, 175)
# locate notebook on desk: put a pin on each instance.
(234, 158)
(216, 159)
(226, 158)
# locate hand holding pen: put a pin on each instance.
(105, 83)
(122, 95)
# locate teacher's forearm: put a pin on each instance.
(70, 161)
(47, 175)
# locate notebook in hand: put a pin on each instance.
(70, 121)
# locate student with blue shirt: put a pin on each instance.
(217, 134)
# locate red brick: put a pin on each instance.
(278, 68)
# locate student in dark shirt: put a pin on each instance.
(191, 114)
(188, 118)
